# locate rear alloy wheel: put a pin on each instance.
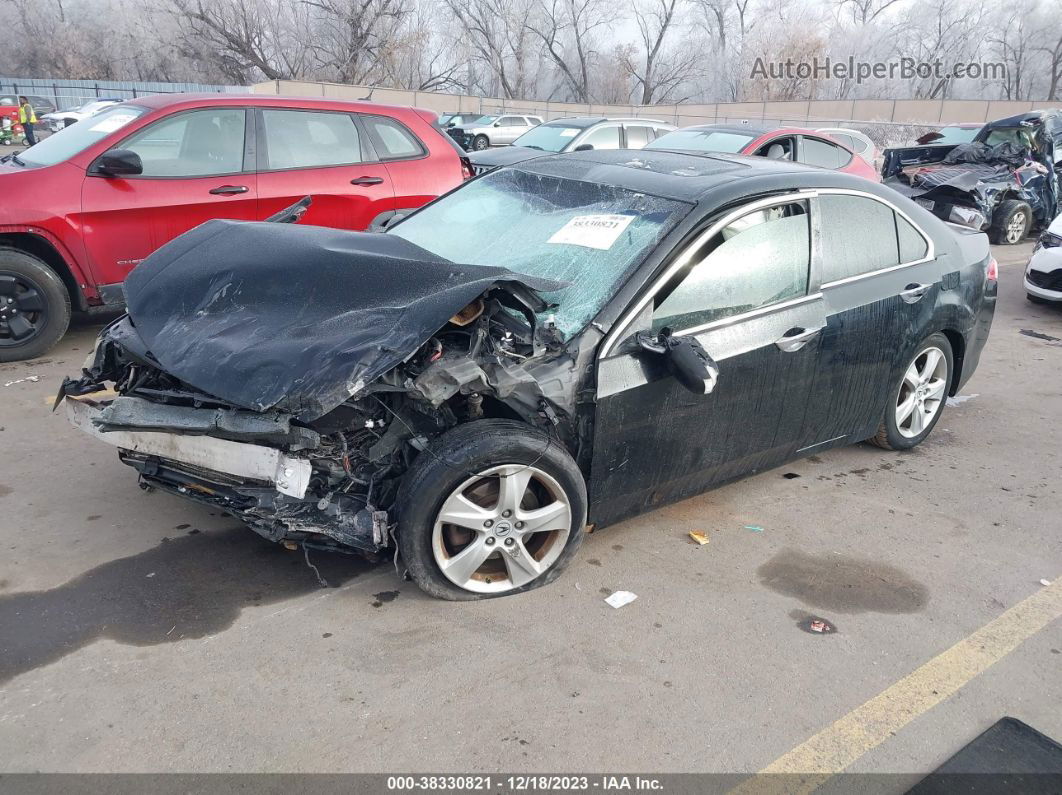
(1011, 222)
(494, 507)
(918, 400)
(480, 142)
(34, 306)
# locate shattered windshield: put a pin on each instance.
(592, 236)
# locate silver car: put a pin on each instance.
(492, 131)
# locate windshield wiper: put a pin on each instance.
(532, 146)
(18, 160)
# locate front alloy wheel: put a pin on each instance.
(916, 403)
(501, 528)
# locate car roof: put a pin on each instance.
(694, 178)
(588, 121)
(753, 130)
(160, 101)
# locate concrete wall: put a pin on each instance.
(822, 112)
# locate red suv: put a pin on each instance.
(85, 205)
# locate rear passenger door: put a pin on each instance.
(508, 129)
(323, 154)
(414, 182)
(817, 152)
(637, 135)
(880, 283)
(743, 294)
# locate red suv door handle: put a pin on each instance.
(366, 180)
(225, 190)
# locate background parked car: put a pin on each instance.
(785, 143)
(1043, 276)
(490, 131)
(96, 198)
(57, 120)
(857, 142)
(573, 135)
(455, 119)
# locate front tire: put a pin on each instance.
(480, 142)
(34, 306)
(492, 508)
(1011, 222)
(918, 395)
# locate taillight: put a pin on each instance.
(993, 269)
(466, 168)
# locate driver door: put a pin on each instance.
(743, 294)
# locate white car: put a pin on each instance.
(1043, 275)
(855, 141)
(59, 119)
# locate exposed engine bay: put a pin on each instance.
(300, 452)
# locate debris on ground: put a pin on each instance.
(755, 528)
(1045, 581)
(31, 378)
(790, 475)
(621, 598)
(958, 400)
(699, 537)
(1028, 332)
(817, 626)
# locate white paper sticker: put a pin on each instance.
(621, 598)
(592, 231)
(569, 132)
(112, 123)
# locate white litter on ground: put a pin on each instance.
(31, 378)
(1045, 581)
(958, 400)
(621, 598)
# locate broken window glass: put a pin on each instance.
(591, 236)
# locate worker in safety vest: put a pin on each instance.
(27, 118)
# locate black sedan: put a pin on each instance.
(574, 340)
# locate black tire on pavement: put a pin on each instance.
(480, 142)
(1007, 228)
(889, 436)
(34, 306)
(452, 459)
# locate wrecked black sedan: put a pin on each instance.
(572, 341)
(1007, 181)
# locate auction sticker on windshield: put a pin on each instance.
(112, 123)
(592, 231)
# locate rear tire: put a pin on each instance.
(1011, 222)
(917, 397)
(34, 306)
(466, 474)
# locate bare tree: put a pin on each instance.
(660, 70)
(497, 33)
(863, 12)
(566, 28)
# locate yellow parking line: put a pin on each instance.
(810, 764)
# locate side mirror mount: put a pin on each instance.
(686, 359)
(118, 163)
(583, 148)
(497, 124)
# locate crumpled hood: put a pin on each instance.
(265, 315)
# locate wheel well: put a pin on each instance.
(45, 251)
(958, 352)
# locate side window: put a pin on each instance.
(847, 140)
(778, 149)
(637, 136)
(303, 139)
(858, 236)
(913, 246)
(533, 121)
(816, 152)
(393, 141)
(603, 138)
(196, 144)
(512, 121)
(760, 259)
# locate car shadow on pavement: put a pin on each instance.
(187, 587)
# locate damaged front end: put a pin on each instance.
(298, 403)
(1012, 160)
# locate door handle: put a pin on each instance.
(796, 338)
(227, 190)
(914, 292)
(366, 180)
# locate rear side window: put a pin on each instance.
(637, 137)
(392, 140)
(201, 143)
(602, 138)
(861, 235)
(815, 152)
(758, 260)
(307, 139)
